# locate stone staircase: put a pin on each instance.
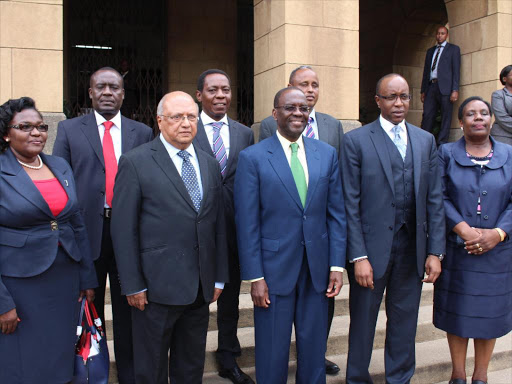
(432, 354)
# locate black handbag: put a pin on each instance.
(92, 361)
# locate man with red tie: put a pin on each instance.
(92, 144)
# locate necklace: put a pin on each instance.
(31, 166)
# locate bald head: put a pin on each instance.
(177, 115)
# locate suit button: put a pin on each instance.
(103, 170)
(224, 183)
(53, 225)
(102, 193)
(303, 242)
(198, 222)
(486, 217)
(304, 217)
(390, 228)
(484, 193)
(483, 170)
(196, 247)
(393, 205)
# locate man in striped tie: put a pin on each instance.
(224, 138)
(320, 126)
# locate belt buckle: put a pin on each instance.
(54, 225)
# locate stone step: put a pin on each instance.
(432, 365)
(246, 309)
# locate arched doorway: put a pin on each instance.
(394, 37)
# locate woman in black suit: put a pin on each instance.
(45, 266)
(473, 295)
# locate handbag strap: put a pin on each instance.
(79, 326)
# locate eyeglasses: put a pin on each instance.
(292, 108)
(403, 97)
(178, 118)
(30, 127)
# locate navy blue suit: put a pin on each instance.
(293, 248)
(44, 263)
(437, 94)
(78, 142)
(397, 253)
(473, 295)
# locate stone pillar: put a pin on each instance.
(200, 38)
(31, 56)
(483, 30)
(320, 33)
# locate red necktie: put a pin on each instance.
(110, 162)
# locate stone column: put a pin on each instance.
(483, 30)
(320, 33)
(31, 56)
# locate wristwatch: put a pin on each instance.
(439, 255)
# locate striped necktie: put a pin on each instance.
(309, 129)
(219, 151)
(436, 57)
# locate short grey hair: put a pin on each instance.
(292, 74)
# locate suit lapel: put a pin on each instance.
(414, 143)
(201, 140)
(22, 183)
(234, 143)
(127, 135)
(377, 136)
(90, 130)
(203, 167)
(313, 160)
(162, 158)
(279, 163)
(323, 132)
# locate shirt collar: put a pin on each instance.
(388, 125)
(173, 151)
(442, 45)
(285, 143)
(116, 119)
(207, 120)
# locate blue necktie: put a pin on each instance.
(188, 174)
(400, 145)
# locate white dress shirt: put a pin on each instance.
(178, 163)
(433, 73)
(301, 155)
(115, 132)
(224, 131)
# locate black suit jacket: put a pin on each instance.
(368, 187)
(78, 142)
(161, 243)
(448, 69)
(330, 130)
(240, 137)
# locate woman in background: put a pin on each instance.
(502, 108)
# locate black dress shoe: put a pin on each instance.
(478, 382)
(331, 368)
(457, 381)
(236, 375)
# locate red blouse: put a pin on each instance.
(53, 193)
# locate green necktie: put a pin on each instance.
(298, 174)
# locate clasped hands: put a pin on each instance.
(140, 300)
(260, 296)
(477, 241)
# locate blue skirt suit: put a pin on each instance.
(473, 295)
(44, 263)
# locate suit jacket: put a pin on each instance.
(501, 103)
(448, 69)
(30, 234)
(330, 130)
(161, 243)
(240, 137)
(78, 142)
(369, 196)
(274, 229)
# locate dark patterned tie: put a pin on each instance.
(188, 174)
(309, 129)
(437, 57)
(219, 151)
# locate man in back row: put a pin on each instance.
(320, 126)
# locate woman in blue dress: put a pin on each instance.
(473, 296)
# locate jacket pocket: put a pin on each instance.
(270, 245)
(13, 239)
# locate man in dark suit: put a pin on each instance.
(396, 230)
(321, 126)
(169, 238)
(92, 145)
(223, 139)
(440, 84)
(291, 230)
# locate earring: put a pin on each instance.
(7, 139)
(461, 128)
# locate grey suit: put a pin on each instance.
(161, 243)
(501, 104)
(330, 130)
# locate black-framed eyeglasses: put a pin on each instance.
(292, 108)
(393, 97)
(30, 127)
(180, 117)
